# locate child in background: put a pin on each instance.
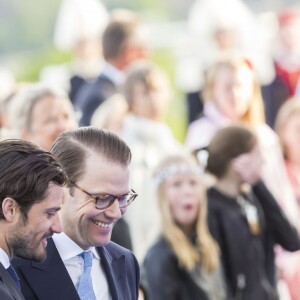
(184, 263)
(147, 92)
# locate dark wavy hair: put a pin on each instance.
(26, 172)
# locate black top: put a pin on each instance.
(248, 258)
(164, 279)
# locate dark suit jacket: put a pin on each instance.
(91, 95)
(8, 288)
(50, 280)
(121, 234)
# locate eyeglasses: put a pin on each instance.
(104, 201)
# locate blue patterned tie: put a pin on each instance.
(14, 275)
(85, 286)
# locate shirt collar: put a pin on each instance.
(4, 259)
(112, 73)
(67, 248)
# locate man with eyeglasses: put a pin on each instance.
(82, 262)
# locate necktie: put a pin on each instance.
(85, 286)
(14, 275)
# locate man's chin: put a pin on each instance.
(34, 256)
(39, 258)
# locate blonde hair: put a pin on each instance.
(22, 104)
(206, 250)
(286, 111)
(255, 114)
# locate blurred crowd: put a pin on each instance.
(217, 216)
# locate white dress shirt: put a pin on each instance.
(69, 251)
(4, 259)
(112, 73)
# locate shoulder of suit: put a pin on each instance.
(116, 249)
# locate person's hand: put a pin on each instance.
(247, 168)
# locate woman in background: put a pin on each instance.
(39, 113)
(287, 126)
(184, 263)
(232, 96)
(244, 217)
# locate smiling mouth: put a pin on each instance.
(48, 236)
(44, 242)
(102, 225)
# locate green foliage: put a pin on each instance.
(26, 33)
(31, 63)
(26, 24)
(155, 7)
(176, 117)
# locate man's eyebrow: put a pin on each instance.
(53, 209)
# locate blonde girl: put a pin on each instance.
(184, 262)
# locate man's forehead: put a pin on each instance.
(53, 197)
(97, 159)
(99, 168)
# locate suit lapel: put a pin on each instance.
(50, 279)
(114, 269)
(10, 285)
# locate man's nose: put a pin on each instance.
(114, 211)
(56, 226)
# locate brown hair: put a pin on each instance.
(255, 113)
(121, 31)
(228, 143)
(71, 149)
(25, 173)
(206, 250)
(149, 75)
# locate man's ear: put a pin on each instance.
(9, 209)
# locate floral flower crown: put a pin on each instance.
(163, 174)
